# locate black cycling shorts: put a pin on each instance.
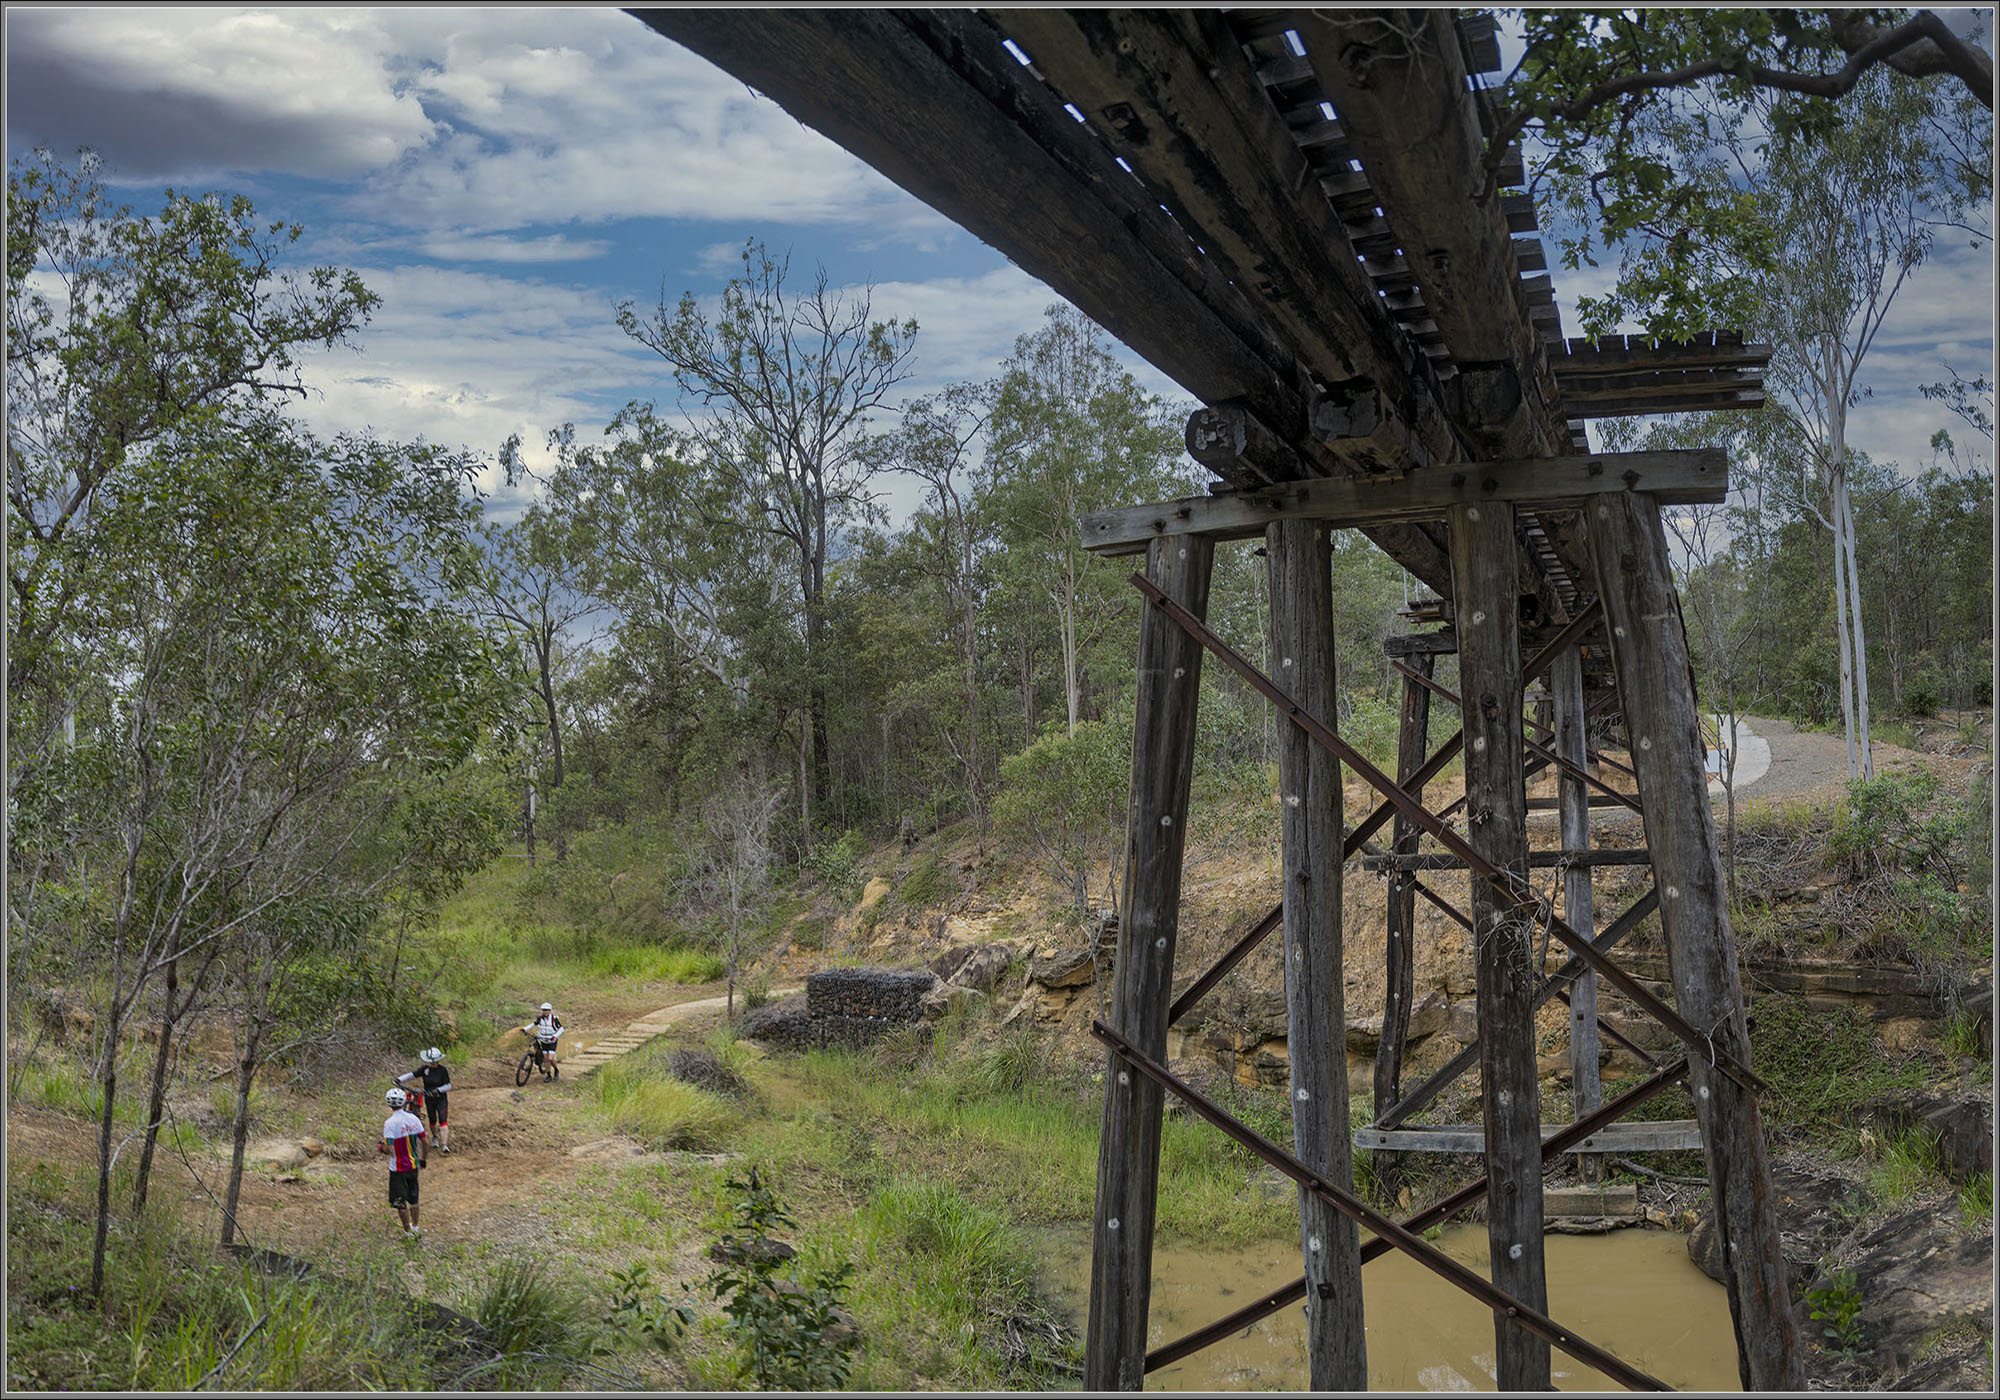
(434, 1108)
(403, 1188)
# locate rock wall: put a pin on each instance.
(843, 1006)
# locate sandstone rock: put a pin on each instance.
(874, 893)
(1431, 1014)
(1917, 1274)
(940, 999)
(1705, 1247)
(952, 959)
(1960, 1125)
(313, 1146)
(983, 969)
(1074, 967)
(276, 1154)
(1463, 1020)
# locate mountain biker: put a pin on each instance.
(545, 1028)
(436, 1080)
(402, 1143)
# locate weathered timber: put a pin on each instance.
(1675, 478)
(1649, 649)
(1595, 799)
(939, 111)
(1524, 1315)
(1507, 884)
(1542, 752)
(1411, 120)
(1300, 560)
(1489, 667)
(1231, 442)
(1128, 1162)
(1573, 801)
(1172, 93)
(1538, 860)
(1582, 359)
(1446, 1075)
(1412, 740)
(1583, 404)
(1441, 643)
(1676, 1135)
(1434, 1214)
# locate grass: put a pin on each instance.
(1824, 1067)
(1975, 1201)
(1910, 1165)
(637, 1095)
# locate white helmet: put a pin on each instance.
(547, 1007)
(432, 1055)
(397, 1098)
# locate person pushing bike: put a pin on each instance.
(436, 1082)
(545, 1030)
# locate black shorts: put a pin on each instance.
(403, 1188)
(434, 1107)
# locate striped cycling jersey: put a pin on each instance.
(398, 1131)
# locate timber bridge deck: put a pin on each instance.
(1300, 218)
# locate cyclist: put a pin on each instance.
(402, 1143)
(435, 1085)
(545, 1028)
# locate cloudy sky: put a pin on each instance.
(505, 177)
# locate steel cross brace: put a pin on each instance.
(1501, 880)
(1552, 1147)
(1577, 628)
(1446, 1267)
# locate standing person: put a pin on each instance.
(437, 1085)
(402, 1143)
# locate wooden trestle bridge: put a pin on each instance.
(1294, 215)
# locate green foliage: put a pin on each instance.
(926, 886)
(788, 1333)
(1063, 799)
(1911, 1162)
(837, 864)
(1975, 1201)
(537, 1326)
(658, 1109)
(1837, 1303)
(1823, 1066)
(639, 1309)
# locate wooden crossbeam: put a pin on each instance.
(1675, 478)
(1673, 1135)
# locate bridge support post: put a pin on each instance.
(1573, 809)
(1301, 578)
(1128, 1159)
(1649, 650)
(1484, 570)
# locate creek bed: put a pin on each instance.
(1633, 1292)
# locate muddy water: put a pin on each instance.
(1633, 1292)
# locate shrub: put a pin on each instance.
(1922, 694)
(1822, 1065)
(537, 1327)
(925, 886)
(1837, 1303)
(837, 864)
(790, 1335)
(639, 1309)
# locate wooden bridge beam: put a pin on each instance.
(1489, 662)
(1649, 649)
(1128, 1158)
(1573, 803)
(1301, 580)
(1412, 742)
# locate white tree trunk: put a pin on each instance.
(1845, 523)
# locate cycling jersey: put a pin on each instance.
(437, 1079)
(546, 1028)
(400, 1130)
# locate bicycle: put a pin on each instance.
(532, 1060)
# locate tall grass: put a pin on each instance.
(661, 1111)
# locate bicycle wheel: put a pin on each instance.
(524, 1069)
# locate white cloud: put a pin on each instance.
(470, 247)
(186, 92)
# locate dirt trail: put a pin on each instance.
(506, 1141)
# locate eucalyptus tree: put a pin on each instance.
(122, 329)
(277, 644)
(1070, 431)
(955, 530)
(1746, 180)
(777, 391)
